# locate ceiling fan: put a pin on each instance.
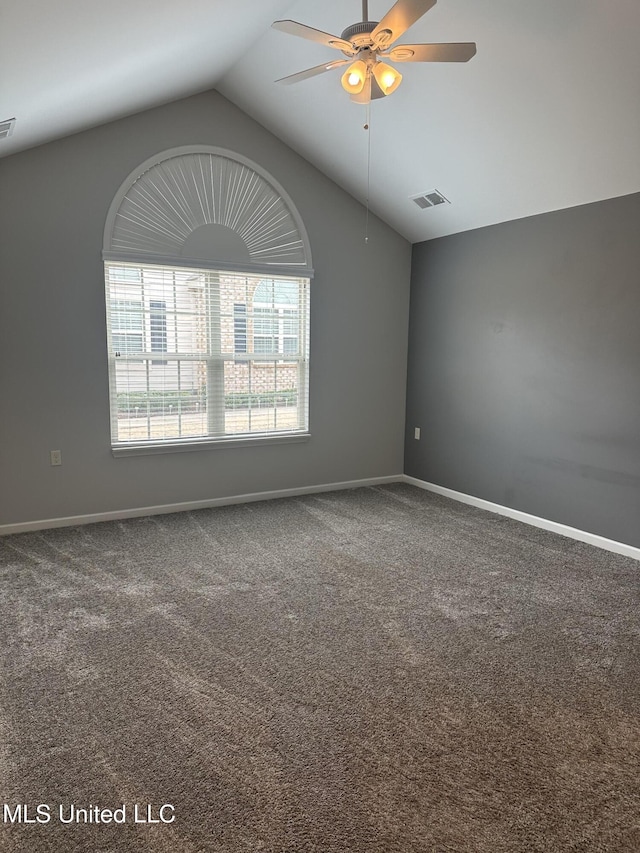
(367, 42)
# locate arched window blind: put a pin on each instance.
(207, 274)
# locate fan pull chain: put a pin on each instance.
(367, 128)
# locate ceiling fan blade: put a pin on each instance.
(312, 72)
(453, 52)
(398, 19)
(305, 32)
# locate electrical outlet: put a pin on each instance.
(56, 457)
(416, 433)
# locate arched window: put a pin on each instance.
(207, 274)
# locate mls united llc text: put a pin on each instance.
(44, 813)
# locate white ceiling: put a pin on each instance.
(545, 116)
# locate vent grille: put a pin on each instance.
(432, 198)
(6, 127)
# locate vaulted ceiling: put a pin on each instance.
(545, 116)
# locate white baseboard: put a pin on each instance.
(533, 520)
(165, 509)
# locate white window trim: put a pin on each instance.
(186, 445)
(294, 270)
(215, 362)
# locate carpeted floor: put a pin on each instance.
(377, 670)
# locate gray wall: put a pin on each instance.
(524, 366)
(53, 368)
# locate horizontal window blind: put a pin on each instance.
(203, 354)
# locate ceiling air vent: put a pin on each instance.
(432, 198)
(6, 127)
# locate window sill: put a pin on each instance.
(150, 448)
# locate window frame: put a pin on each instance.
(281, 249)
(213, 358)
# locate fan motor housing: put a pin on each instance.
(358, 34)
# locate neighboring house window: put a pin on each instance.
(127, 326)
(158, 325)
(208, 325)
(276, 307)
(240, 328)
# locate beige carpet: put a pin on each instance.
(378, 670)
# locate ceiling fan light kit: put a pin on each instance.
(355, 77)
(365, 44)
(387, 77)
